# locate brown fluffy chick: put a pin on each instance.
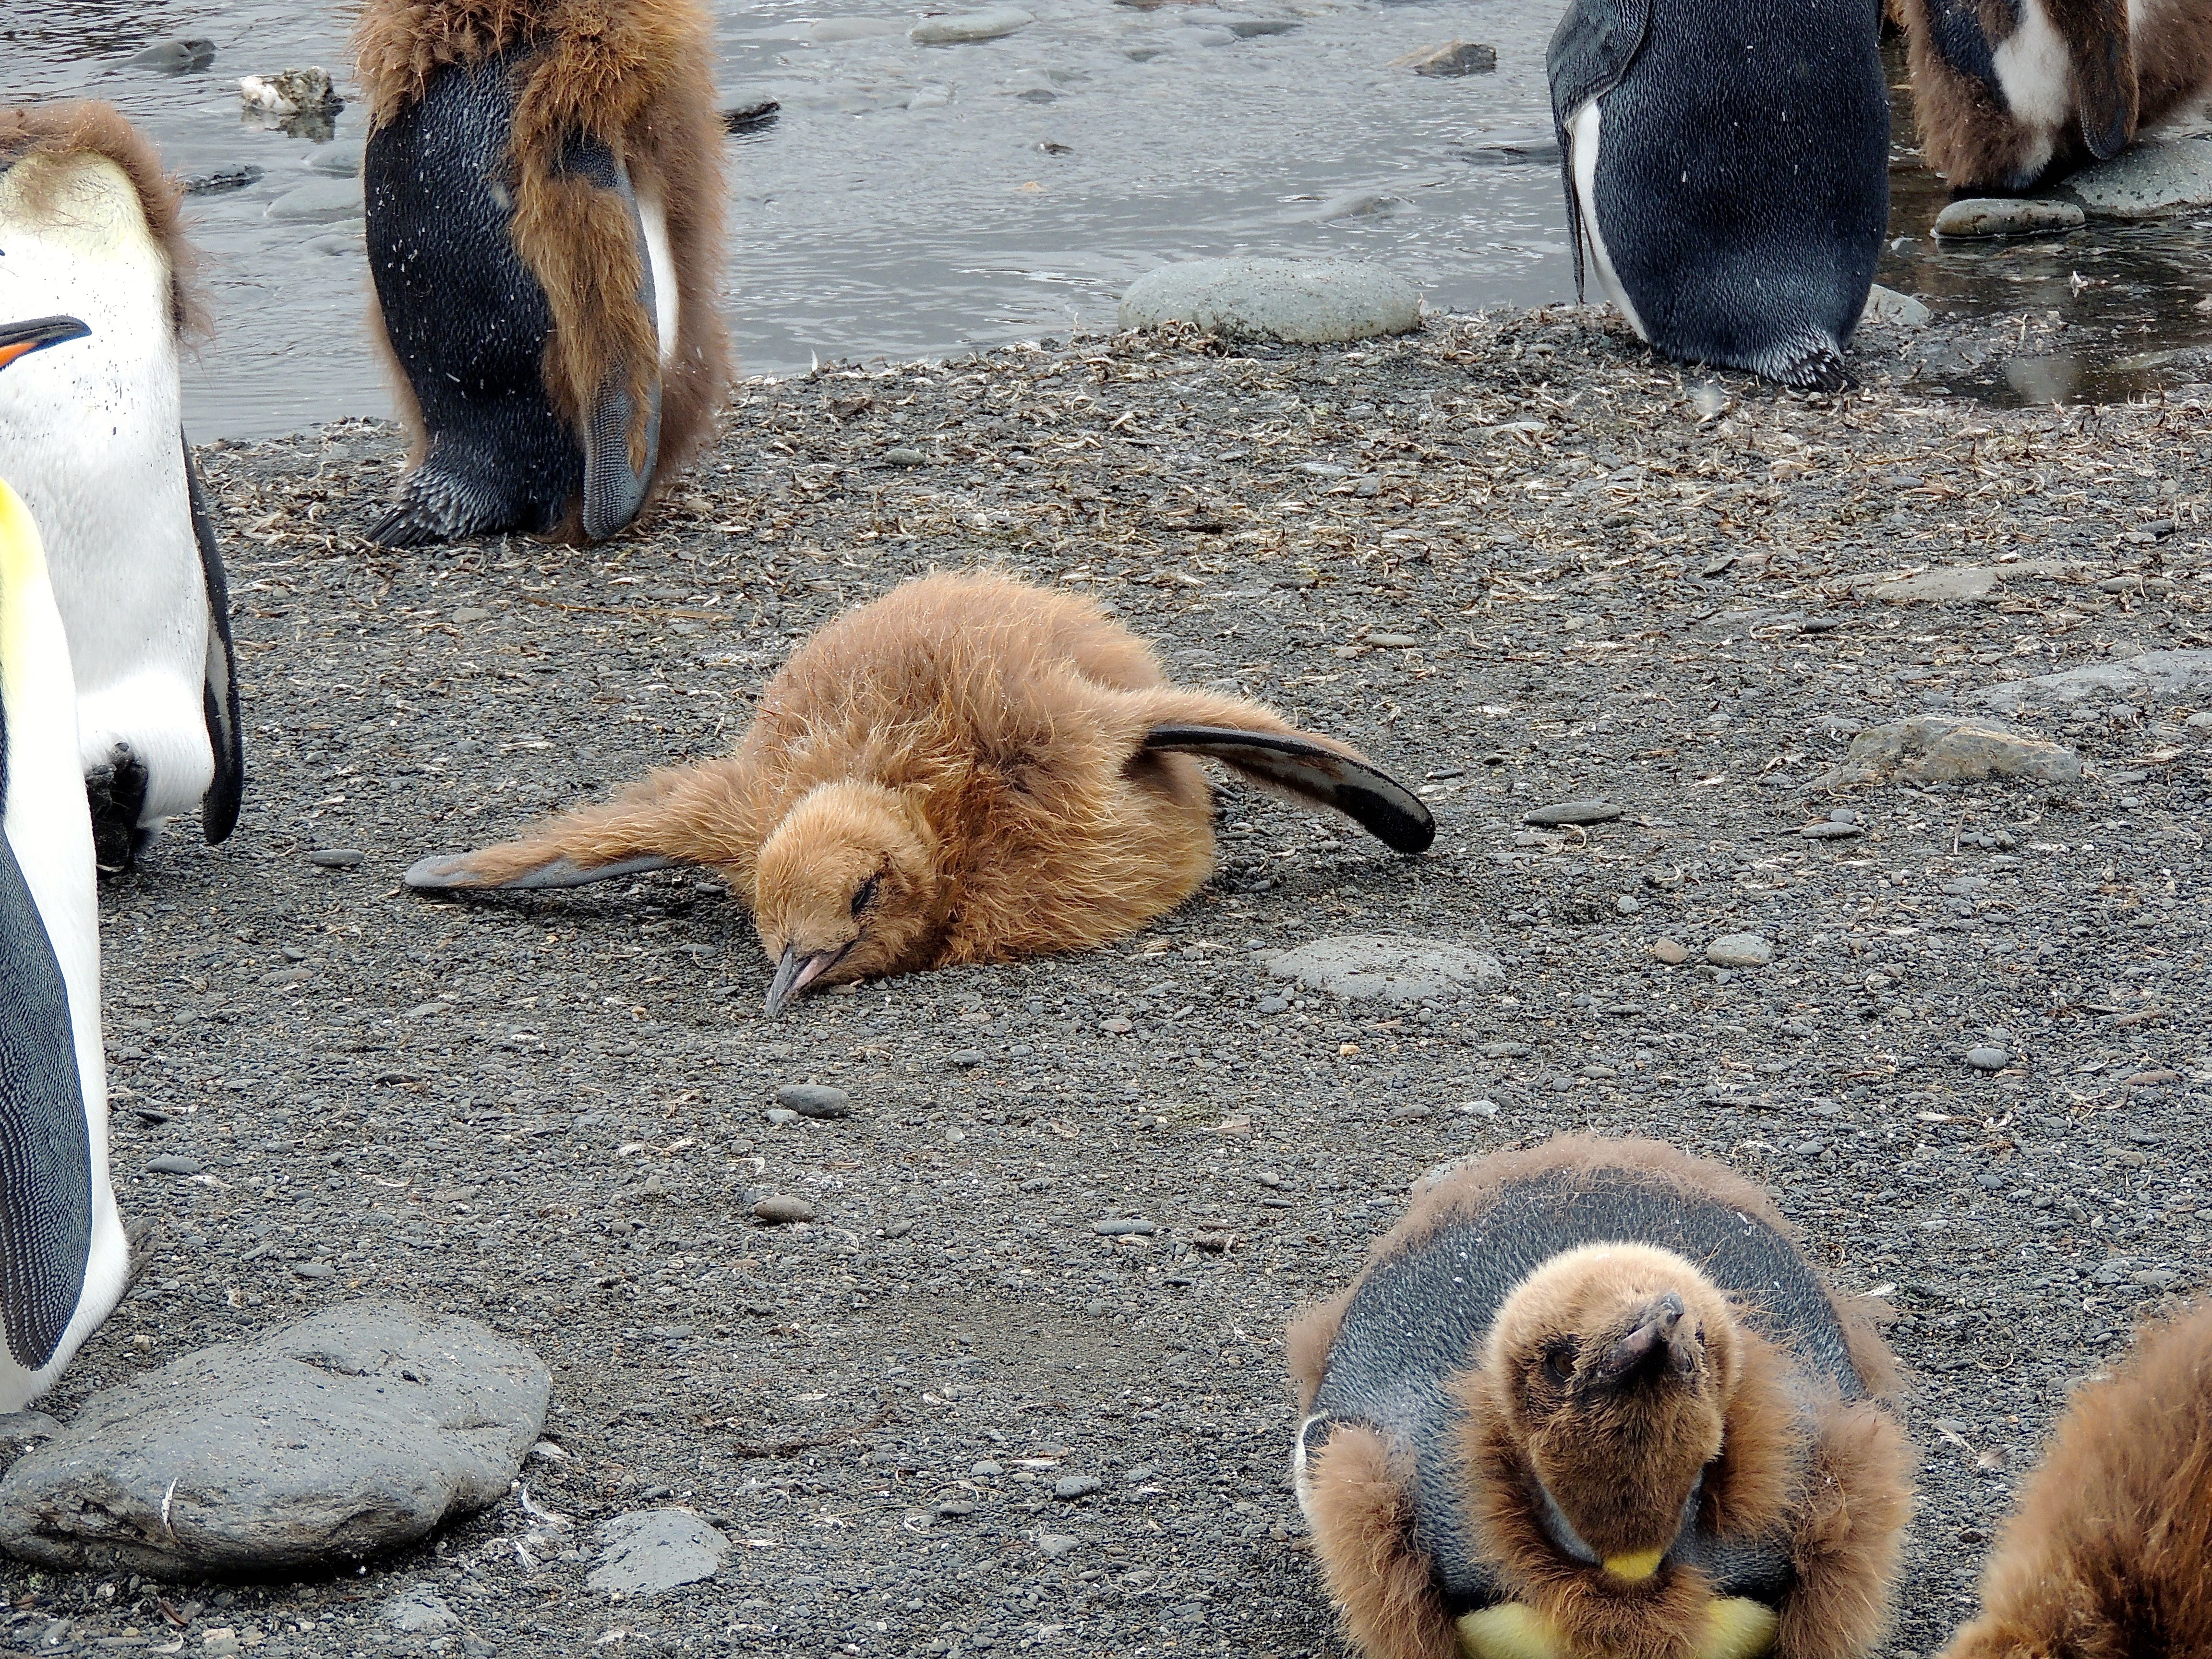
(1591, 1400)
(2109, 1553)
(966, 770)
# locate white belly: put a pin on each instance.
(91, 438)
(2036, 75)
(1582, 154)
(667, 303)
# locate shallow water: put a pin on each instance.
(911, 201)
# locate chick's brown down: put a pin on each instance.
(2110, 1555)
(968, 769)
(1590, 1401)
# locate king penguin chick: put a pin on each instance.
(64, 1258)
(94, 439)
(2110, 1555)
(1588, 1402)
(967, 769)
(544, 187)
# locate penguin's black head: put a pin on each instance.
(1613, 1365)
(22, 339)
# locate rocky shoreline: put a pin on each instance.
(1015, 1382)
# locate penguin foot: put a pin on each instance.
(115, 790)
(1810, 362)
(436, 506)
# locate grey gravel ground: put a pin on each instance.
(1513, 556)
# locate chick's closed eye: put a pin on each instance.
(866, 895)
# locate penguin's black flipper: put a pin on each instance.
(450, 872)
(614, 489)
(226, 736)
(1596, 42)
(46, 1144)
(1370, 797)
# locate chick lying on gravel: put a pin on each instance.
(967, 769)
(2111, 1552)
(1590, 1399)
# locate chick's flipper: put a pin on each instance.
(450, 872)
(1296, 763)
(672, 817)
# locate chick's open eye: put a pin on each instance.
(1560, 1363)
(862, 899)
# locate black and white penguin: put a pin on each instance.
(544, 197)
(94, 439)
(64, 1258)
(1726, 174)
(1590, 1401)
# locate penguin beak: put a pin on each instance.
(1649, 1347)
(22, 339)
(794, 973)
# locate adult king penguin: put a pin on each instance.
(64, 1258)
(544, 199)
(94, 439)
(1727, 172)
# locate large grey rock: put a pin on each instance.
(1933, 749)
(319, 201)
(1453, 57)
(2154, 178)
(2005, 215)
(1374, 965)
(351, 1432)
(1886, 304)
(966, 28)
(649, 1550)
(1308, 301)
(2146, 678)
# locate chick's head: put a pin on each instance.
(847, 888)
(1613, 1365)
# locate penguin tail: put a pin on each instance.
(672, 817)
(438, 504)
(1810, 362)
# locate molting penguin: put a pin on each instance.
(1589, 1400)
(2005, 91)
(2109, 1553)
(1726, 174)
(544, 199)
(62, 1254)
(94, 439)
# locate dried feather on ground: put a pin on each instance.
(968, 769)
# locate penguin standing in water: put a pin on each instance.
(544, 199)
(94, 439)
(1726, 174)
(1590, 1401)
(64, 1258)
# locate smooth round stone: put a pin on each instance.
(176, 56)
(1305, 301)
(815, 1100)
(780, 1209)
(1739, 951)
(1671, 951)
(337, 858)
(1987, 1060)
(967, 27)
(337, 161)
(781, 1116)
(649, 1550)
(391, 1421)
(318, 202)
(2148, 181)
(1069, 1487)
(1573, 812)
(1378, 965)
(2005, 215)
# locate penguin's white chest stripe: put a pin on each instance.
(2035, 70)
(653, 214)
(1582, 144)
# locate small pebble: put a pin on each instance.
(1054, 1545)
(1739, 951)
(471, 613)
(1673, 952)
(174, 1163)
(988, 1469)
(1069, 1487)
(1130, 1229)
(821, 1100)
(1573, 812)
(1120, 1026)
(781, 1208)
(1628, 904)
(781, 1116)
(1274, 1005)
(1987, 1060)
(905, 457)
(337, 858)
(965, 1057)
(1505, 1050)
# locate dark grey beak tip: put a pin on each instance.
(779, 990)
(40, 332)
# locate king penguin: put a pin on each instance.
(94, 439)
(1726, 174)
(544, 189)
(64, 1258)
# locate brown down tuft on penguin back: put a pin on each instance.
(1858, 1496)
(634, 74)
(1363, 1521)
(2109, 1555)
(71, 126)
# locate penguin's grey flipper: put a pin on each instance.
(45, 1142)
(1596, 42)
(226, 737)
(615, 488)
(451, 872)
(1370, 797)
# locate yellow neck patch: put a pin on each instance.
(1635, 1568)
